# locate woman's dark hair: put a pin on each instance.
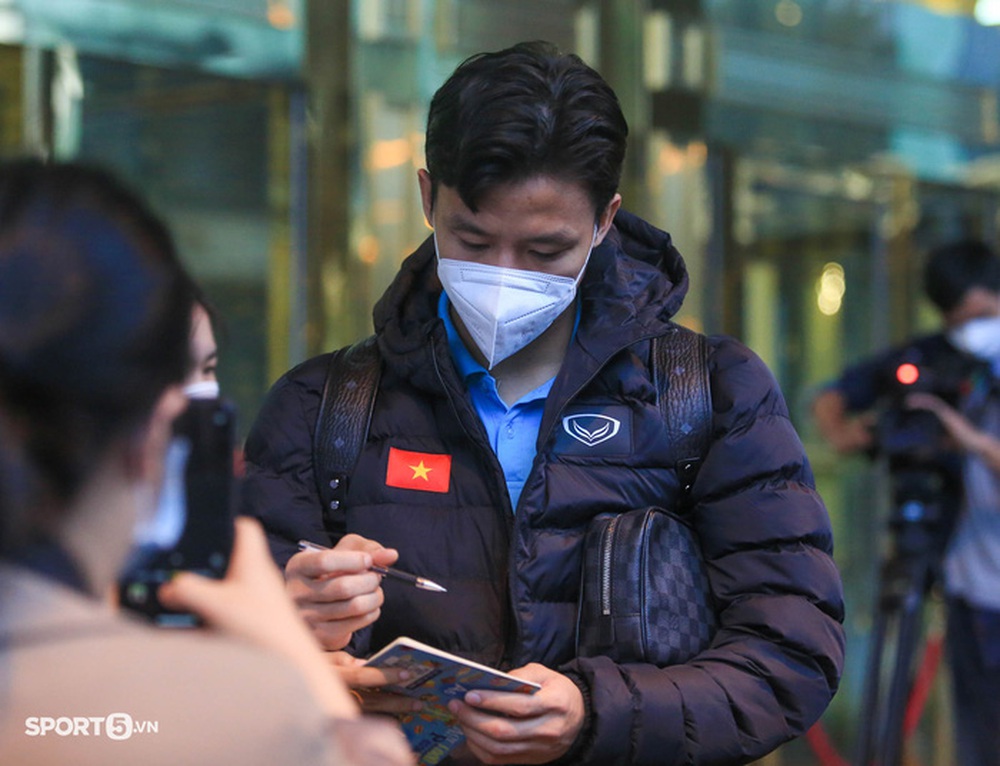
(95, 313)
(954, 269)
(200, 298)
(522, 112)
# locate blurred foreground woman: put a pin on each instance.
(95, 316)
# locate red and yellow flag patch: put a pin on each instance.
(418, 470)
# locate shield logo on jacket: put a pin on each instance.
(590, 428)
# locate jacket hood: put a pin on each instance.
(635, 276)
(635, 282)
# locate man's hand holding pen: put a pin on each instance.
(336, 590)
(397, 574)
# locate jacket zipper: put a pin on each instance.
(508, 611)
(607, 551)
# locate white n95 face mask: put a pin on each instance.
(505, 309)
(979, 337)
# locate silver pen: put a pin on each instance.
(421, 582)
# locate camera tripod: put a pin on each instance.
(907, 574)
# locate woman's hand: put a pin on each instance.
(366, 682)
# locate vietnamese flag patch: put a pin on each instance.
(418, 470)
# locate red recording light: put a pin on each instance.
(907, 374)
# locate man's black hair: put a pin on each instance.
(954, 269)
(511, 115)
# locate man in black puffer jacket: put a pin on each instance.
(536, 300)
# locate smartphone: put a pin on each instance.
(192, 529)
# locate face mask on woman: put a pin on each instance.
(505, 309)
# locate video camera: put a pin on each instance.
(914, 436)
(925, 469)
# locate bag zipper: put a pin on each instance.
(607, 548)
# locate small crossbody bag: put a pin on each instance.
(644, 592)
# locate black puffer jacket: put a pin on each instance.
(513, 577)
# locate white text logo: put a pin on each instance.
(117, 726)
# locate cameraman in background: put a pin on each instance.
(963, 282)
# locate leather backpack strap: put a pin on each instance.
(680, 372)
(342, 423)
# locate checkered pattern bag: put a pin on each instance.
(645, 594)
(644, 591)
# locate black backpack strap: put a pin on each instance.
(680, 372)
(342, 423)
